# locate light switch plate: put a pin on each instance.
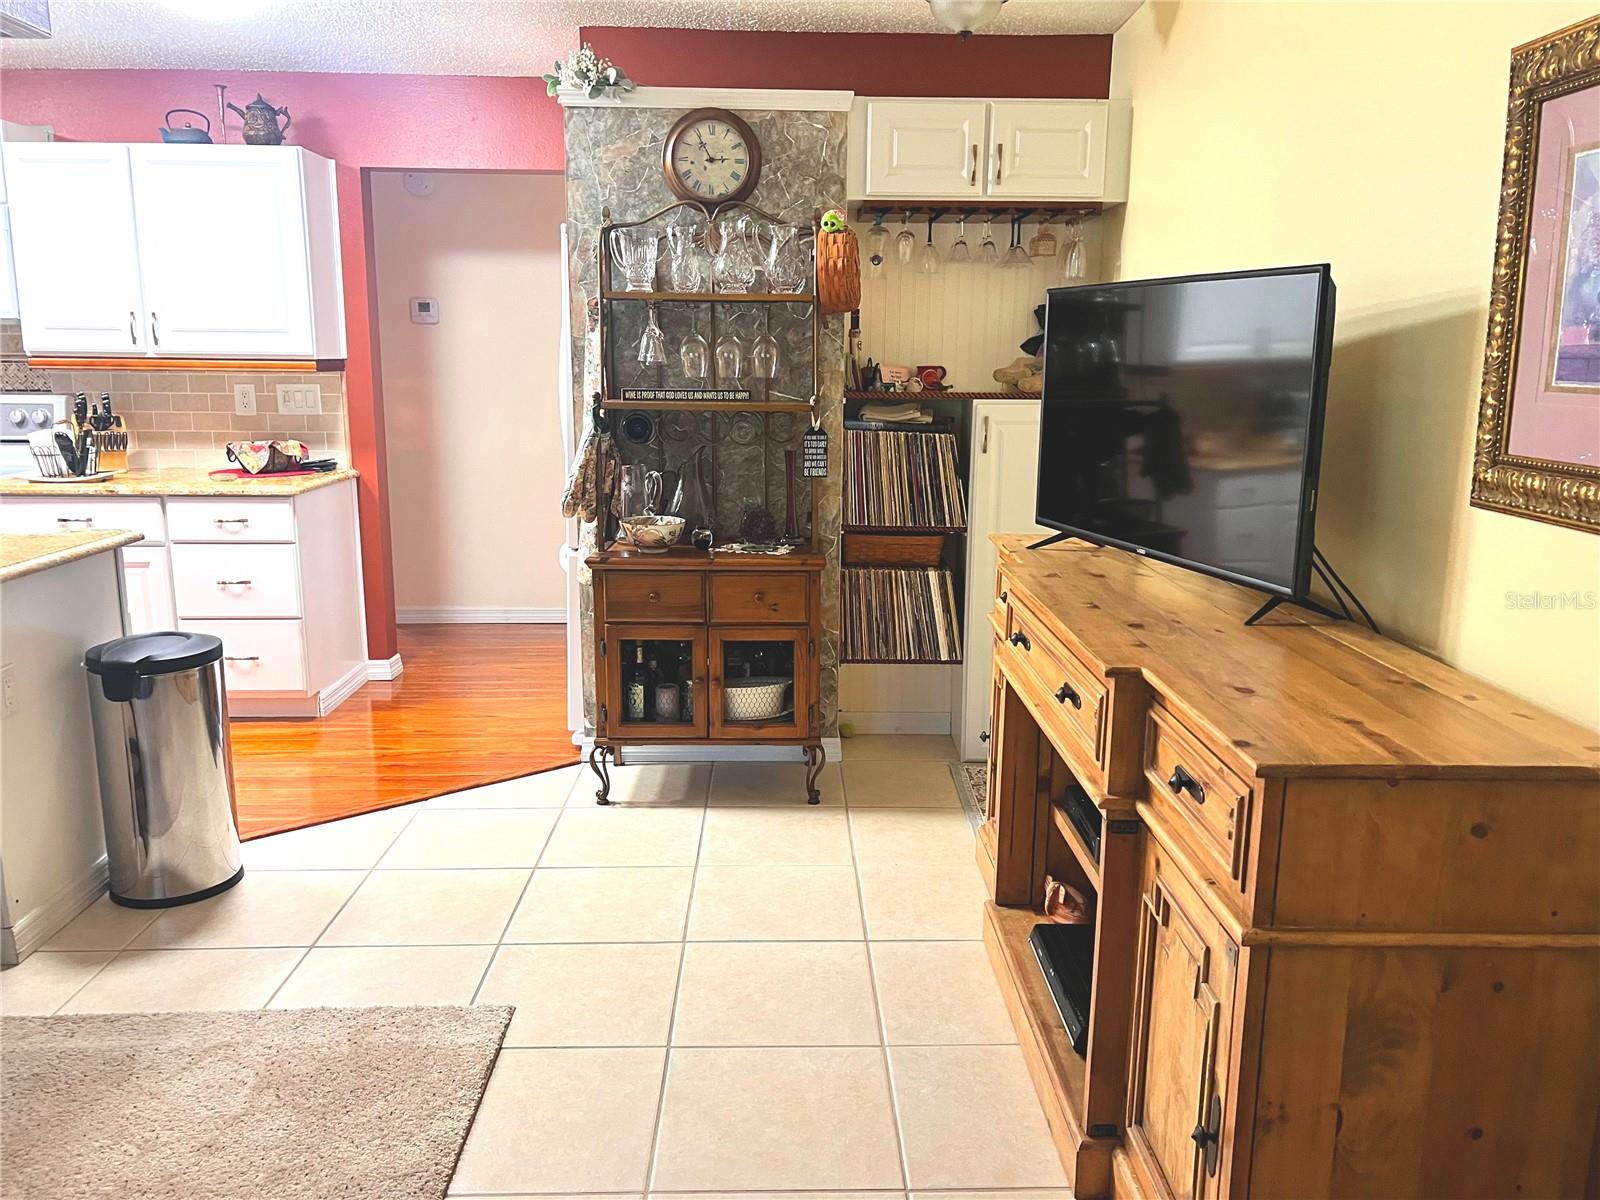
(244, 399)
(302, 399)
(424, 310)
(8, 690)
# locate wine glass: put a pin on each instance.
(877, 243)
(730, 359)
(653, 343)
(1072, 252)
(988, 252)
(928, 259)
(764, 357)
(960, 252)
(905, 242)
(695, 355)
(1016, 256)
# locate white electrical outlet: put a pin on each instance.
(8, 690)
(244, 399)
(303, 399)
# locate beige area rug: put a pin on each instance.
(284, 1105)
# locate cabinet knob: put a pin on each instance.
(1182, 781)
(1021, 639)
(761, 597)
(1065, 695)
(654, 596)
(983, 735)
(1004, 596)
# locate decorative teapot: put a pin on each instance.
(188, 134)
(261, 126)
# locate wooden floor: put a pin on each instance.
(475, 704)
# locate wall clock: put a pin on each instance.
(711, 156)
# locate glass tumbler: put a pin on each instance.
(635, 252)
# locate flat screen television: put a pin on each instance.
(1182, 419)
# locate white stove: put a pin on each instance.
(23, 413)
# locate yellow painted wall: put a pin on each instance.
(1369, 135)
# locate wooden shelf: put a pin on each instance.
(1069, 834)
(901, 662)
(943, 529)
(788, 406)
(930, 395)
(713, 297)
(1044, 1040)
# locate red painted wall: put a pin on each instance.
(413, 121)
(871, 64)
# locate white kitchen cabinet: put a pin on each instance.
(924, 148)
(1000, 499)
(147, 589)
(1048, 149)
(77, 261)
(1043, 150)
(197, 251)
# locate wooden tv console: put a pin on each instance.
(1347, 898)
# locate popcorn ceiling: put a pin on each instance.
(467, 37)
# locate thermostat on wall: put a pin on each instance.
(424, 310)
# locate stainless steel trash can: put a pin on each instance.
(161, 742)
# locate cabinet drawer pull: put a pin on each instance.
(999, 158)
(653, 597)
(74, 520)
(760, 597)
(1065, 695)
(1021, 639)
(1182, 781)
(133, 335)
(219, 522)
(241, 658)
(155, 334)
(1004, 596)
(233, 583)
(973, 179)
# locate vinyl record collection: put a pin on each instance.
(896, 614)
(898, 480)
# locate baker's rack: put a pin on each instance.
(609, 397)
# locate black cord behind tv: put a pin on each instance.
(1181, 419)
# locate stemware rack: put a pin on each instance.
(714, 303)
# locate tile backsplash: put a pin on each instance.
(184, 419)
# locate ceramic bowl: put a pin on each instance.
(759, 698)
(653, 534)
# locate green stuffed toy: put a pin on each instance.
(833, 221)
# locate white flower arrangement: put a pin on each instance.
(585, 71)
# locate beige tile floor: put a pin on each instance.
(719, 989)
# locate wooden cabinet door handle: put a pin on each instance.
(1182, 781)
(1065, 695)
(1021, 639)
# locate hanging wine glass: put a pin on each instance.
(928, 259)
(653, 343)
(877, 243)
(764, 357)
(960, 252)
(1016, 256)
(988, 252)
(905, 242)
(730, 359)
(695, 355)
(1072, 253)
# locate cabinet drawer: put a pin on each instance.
(655, 595)
(1076, 693)
(741, 598)
(75, 515)
(258, 656)
(236, 581)
(1203, 801)
(211, 520)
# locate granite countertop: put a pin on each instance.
(178, 482)
(25, 553)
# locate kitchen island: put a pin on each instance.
(59, 595)
(271, 564)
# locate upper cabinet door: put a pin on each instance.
(224, 250)
(930, 149)
(1048, 149)
(71, 207)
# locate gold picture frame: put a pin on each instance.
(1544, 488)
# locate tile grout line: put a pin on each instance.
(500, 941)
(677, 991)
(877, 1000)
(398, 834)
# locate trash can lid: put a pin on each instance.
(153, 654)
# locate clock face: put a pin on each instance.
(712, 158)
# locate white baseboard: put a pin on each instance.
(384, 668)
(897, 722)
(639, 755)
(457, 615)
(34, 929)
(342, 689)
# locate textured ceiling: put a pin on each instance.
(459, 37)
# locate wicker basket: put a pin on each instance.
(838, 271)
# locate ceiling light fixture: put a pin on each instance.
(965, 17)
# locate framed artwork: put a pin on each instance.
(1538, 444)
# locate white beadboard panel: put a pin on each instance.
(888, 688)
(968, 319)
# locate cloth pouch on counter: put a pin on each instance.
(266, 458)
